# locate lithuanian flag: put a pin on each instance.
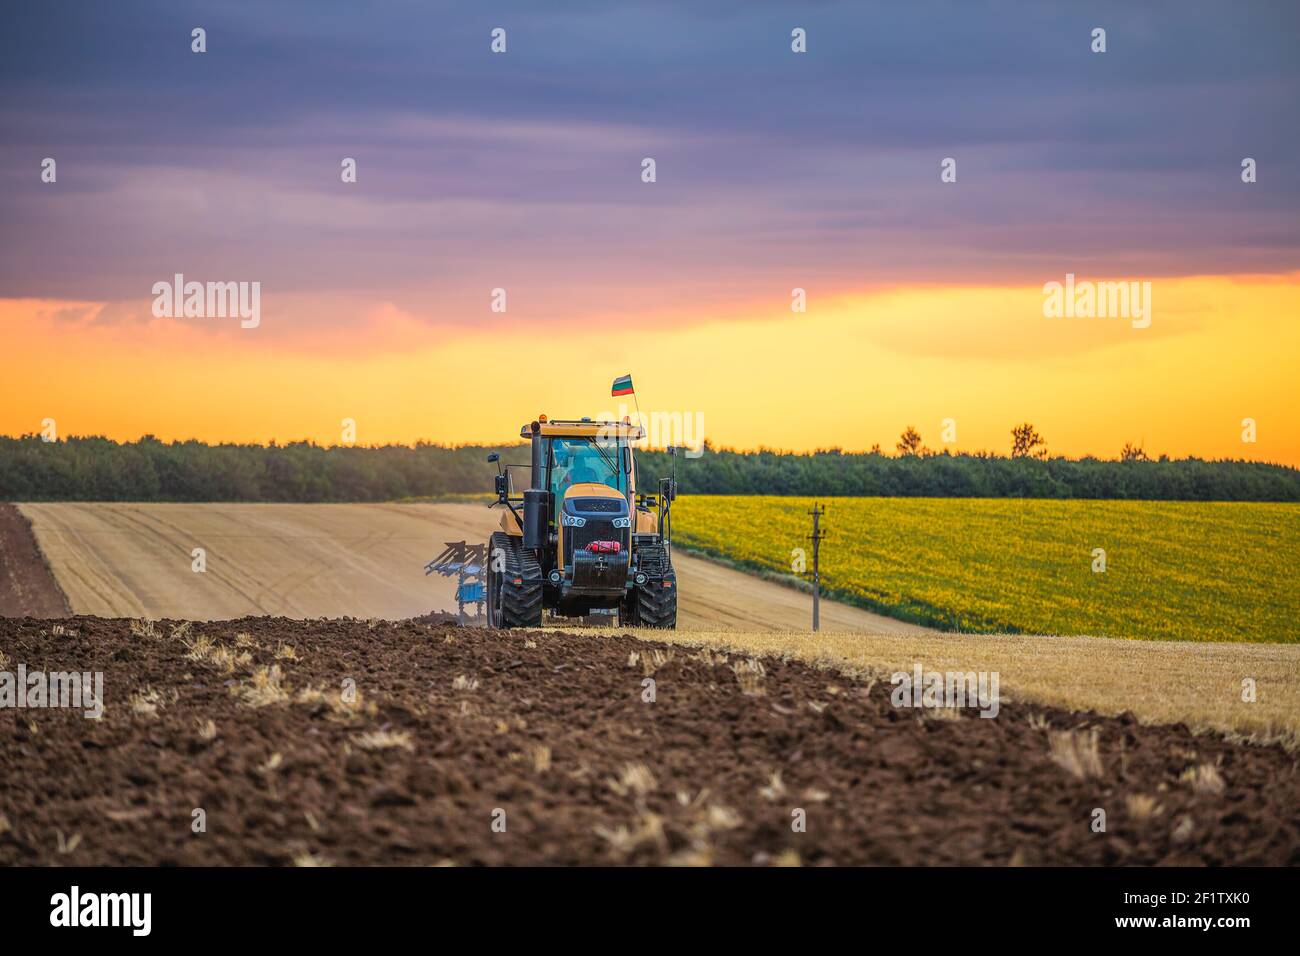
(622, 386)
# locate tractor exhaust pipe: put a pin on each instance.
(539, 457)
(536, 498)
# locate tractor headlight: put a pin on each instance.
(571, 521)
(622, 522)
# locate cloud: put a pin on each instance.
(522, 171)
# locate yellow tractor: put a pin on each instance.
(581, 541)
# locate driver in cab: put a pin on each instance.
(572, 470)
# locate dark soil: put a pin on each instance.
(291, 782)
(27, 586)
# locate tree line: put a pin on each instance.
(98, 469)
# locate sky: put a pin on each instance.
(523, 171)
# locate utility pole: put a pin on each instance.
(816, 539)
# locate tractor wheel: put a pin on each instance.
(514, 594)
(653, 604)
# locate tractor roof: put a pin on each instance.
(585, 428)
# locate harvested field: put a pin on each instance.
(27, 585)
(307, 561)
(451, 729)
(1200, 684)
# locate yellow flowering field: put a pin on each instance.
(1180, 570)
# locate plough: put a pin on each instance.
(467, 562)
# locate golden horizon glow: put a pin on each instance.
(852, 371)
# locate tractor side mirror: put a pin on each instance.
(494, 457)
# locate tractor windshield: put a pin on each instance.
(577, 460)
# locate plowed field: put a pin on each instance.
(470, 747)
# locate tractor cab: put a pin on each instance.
(582, 459)
(586, 460)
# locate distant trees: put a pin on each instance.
(909, 443)
(980, 475)
(96, 469)
(1027, 443)
(1131, 452)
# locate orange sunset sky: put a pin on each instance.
(852, 371)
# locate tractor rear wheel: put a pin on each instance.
(514, 592)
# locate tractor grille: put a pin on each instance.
(588, 506)
(599, 514)
(596, 529)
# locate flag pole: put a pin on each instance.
(635, 401)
